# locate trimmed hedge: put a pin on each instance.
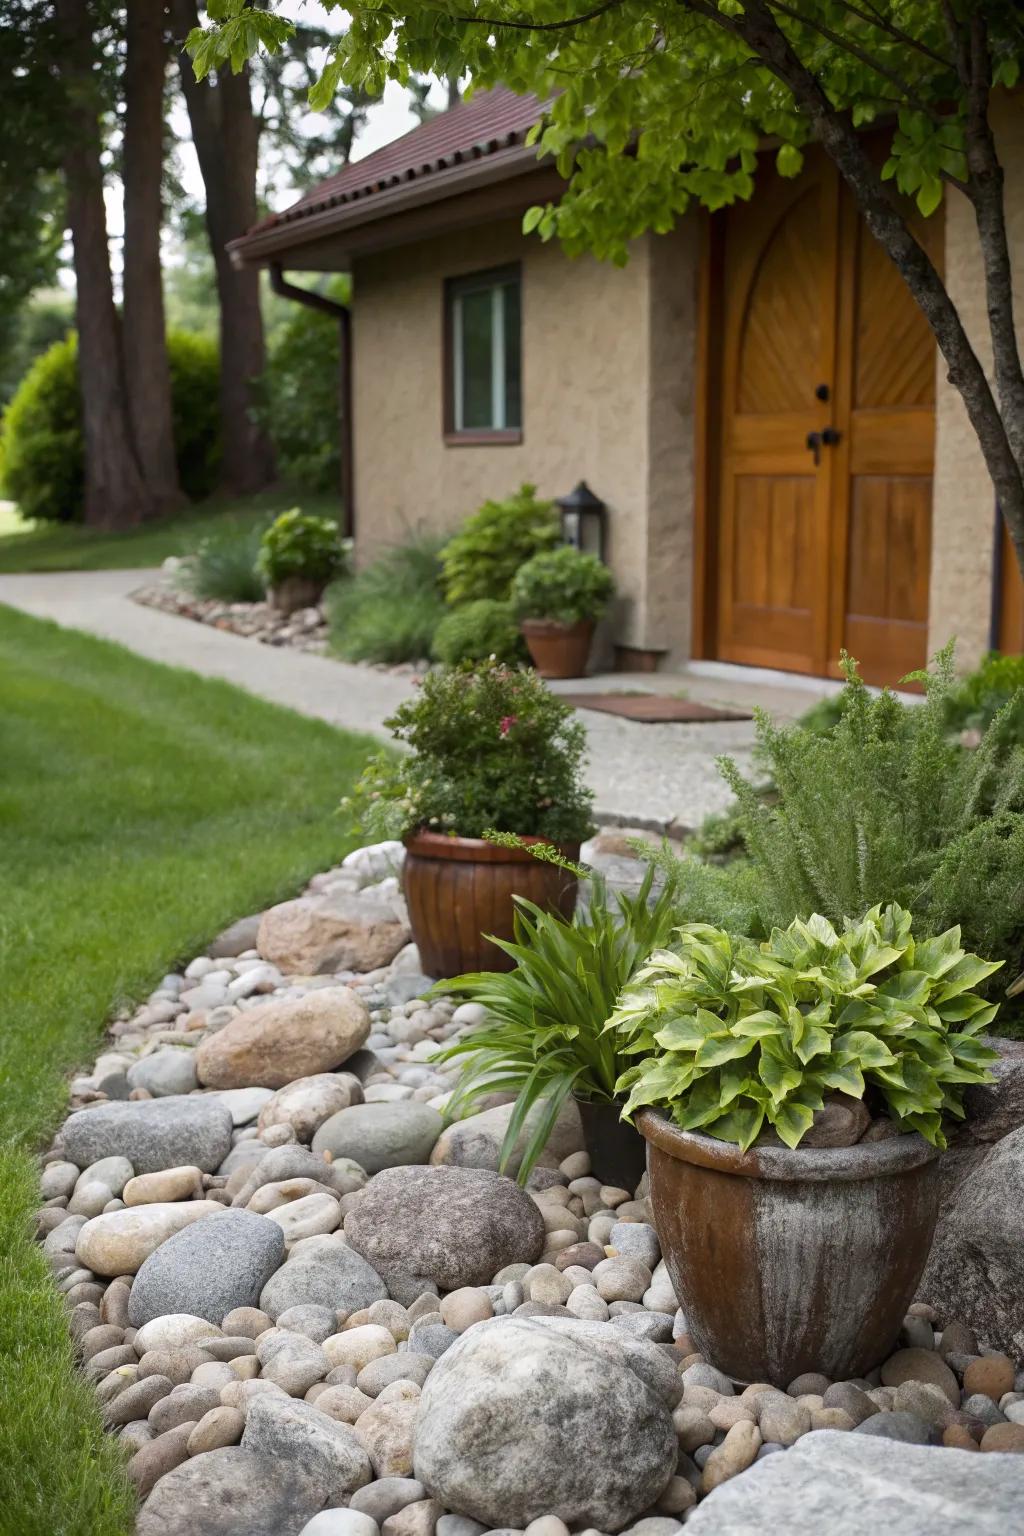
(41, 449)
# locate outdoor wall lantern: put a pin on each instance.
(583, 520)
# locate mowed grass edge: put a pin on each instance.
(142, 808)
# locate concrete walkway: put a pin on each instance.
(643, 775)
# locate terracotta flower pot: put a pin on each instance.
(296, 592)
(618, 1154)
(458, 889)
(792, 1261)
(558, 650)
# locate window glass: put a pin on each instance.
(485, 348)
(477, 359)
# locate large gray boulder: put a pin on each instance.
(381, 1135)
(996, 1109)
(323, 1272)
(518, 1420)
(152, 1134)
(454, 1226)
(208, 1269)
(857, 1485)
(228, 1492)
(476, 1142)
(279, 1428)
(975, 1271)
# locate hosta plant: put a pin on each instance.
(544, 1038)
(738, 1037)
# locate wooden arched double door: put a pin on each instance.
(823, 439)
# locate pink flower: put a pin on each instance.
(508, 721)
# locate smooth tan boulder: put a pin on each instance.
(170, 1184)
(120, 1242)
(273, 1044)
(314, 935)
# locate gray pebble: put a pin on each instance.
(387, 1496)
(905, 1427)
(431, 1339)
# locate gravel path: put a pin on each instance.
(643, 775)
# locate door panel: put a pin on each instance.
(885, 395)
(779, 277)
(816, 557)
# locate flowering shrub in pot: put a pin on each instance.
(490, 747)
(794, 1097)
(558, 596)
(298, 556)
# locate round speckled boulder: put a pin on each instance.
(152, 1134)
(210, 1267)
(454, 1226)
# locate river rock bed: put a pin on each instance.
(305, 630)
(310, 1308)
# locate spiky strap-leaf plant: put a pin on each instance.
(736, 1037)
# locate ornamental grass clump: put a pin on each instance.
(738, 1037)
(490, 746)
(544, 1036)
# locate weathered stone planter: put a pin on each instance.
(787, 1262)
(296, 592)
(458, 889)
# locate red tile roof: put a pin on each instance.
(491, 121)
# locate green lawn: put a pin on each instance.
(141, 809)
(69, 547)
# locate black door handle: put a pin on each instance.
(830, 437)
(814, 441)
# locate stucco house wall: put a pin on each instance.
(607, 386)
(963, 501)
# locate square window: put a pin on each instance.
(483, 394)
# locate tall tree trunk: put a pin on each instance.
(147, 372)
(226, 137)
(115, 494)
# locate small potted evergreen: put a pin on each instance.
(299, 555)
(491, 748)
(558, 596)
(793, 1096)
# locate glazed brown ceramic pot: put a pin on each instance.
(558, 650)
(786, 1262)
(458, 889)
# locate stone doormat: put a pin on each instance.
(652, 708)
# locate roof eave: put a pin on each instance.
(262, 247)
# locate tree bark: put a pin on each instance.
(997, 426)
(115, 494)
(147, 371)
(226, 137)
